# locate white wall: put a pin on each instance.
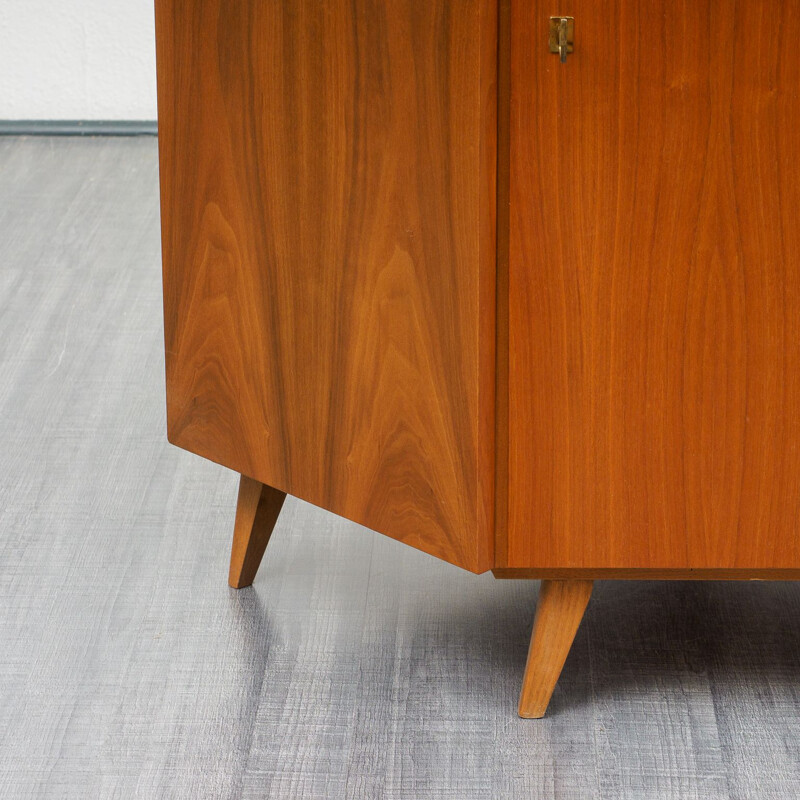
(77, 59)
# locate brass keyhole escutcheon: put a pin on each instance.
(562, 36)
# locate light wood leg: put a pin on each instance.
(257, 510)
(559, 612)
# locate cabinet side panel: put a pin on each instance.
(328, 177)
(655, 286)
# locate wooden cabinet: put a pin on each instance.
(329, 245)
(654, 287)
(522, 312)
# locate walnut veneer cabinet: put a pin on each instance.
(521, 292)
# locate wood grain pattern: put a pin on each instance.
(328, 201)
(257, 510)
(655, 286)
(502, 291)
(559, 611)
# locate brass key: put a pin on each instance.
(562, 36)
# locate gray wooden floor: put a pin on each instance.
(355, 667)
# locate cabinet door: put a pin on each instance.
(654, 303)
(328, 213)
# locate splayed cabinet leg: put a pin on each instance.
(559, 612)
(257, 510)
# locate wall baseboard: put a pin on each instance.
(78, 127)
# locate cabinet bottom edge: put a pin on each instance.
(648, 574)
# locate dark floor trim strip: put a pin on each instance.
(78, 127)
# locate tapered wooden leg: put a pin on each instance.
(559, 612)
(257, 512)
